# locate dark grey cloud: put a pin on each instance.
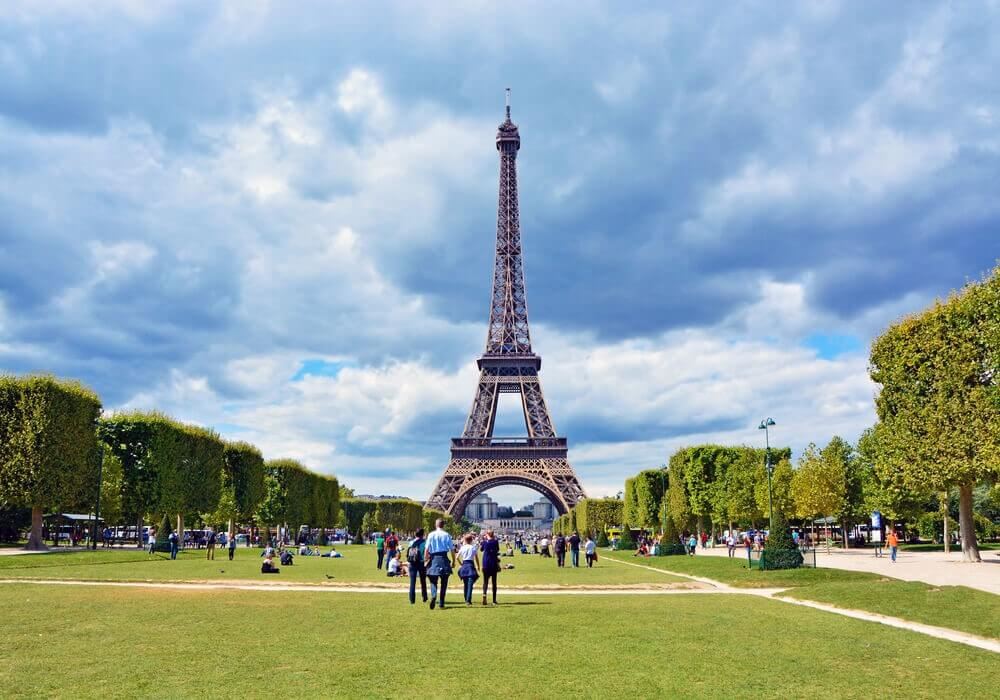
(632, 124)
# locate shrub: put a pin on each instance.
(671, 548)
(602, 539)
(162, 533)
(626, 541)
(780, 551)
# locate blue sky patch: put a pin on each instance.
(318, 368)
(829, 346)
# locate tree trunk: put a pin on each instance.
(944, 520)
(180, 530)
(138, 531)
(35, 541)
(967, 528)
(230, 534)
(847, 537)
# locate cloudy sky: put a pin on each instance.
(278, 220)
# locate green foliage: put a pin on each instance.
(625, 541)
(819, 484)
(243, 477)
(780, 551)
(595, 515)
(13, 521)
(930, 526)
(781, 486)
(939, 408)
(401, 514)
(678, 505)
(368, 524)
(602, 539)
(163, 534)
(630, 512)
(647, 492)
(49, 455)
(429, 517)
(111, 489)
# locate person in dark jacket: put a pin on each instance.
(491, 563)
(560, 547)
(417, 566)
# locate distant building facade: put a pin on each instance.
(481, 508)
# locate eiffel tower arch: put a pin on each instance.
(480, 460)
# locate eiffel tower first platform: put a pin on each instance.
(480, 461)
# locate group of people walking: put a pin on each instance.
(434, 557)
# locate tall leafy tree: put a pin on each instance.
(938, 408)
(49, 454)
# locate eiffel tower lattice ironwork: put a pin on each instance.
(480, 461)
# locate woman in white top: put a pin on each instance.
(468, 556)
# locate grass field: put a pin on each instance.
(956, 607)
(734, 572)
(94, 642)
(357, 566)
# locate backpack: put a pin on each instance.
(413, 553)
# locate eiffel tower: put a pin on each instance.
(479, 460)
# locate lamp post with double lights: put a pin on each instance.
(769, 468)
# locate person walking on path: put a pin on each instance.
(152, 541)
(172, 538)
(415, 558)
(590, 549)
(692, 544)
(491, 563)
(380, 549)
(438, 551)
(210, 545)
(893, 541)
(731, 544)
(560, 546)
(574, 549)
(468, 571)
(232, 545)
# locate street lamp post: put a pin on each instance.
(769, 468)
(97, 502)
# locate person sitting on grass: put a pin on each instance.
(268, 552)
(395, 567)
(286, 557)
(334, 554)
(268, 567)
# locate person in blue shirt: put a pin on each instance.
(439, 556)
(415, 553)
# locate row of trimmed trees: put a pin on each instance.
(934, 453)
(55, 448)
(591, 516)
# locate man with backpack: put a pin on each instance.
(415, 565)
(172, 538)
(560, 546)
(210, 539)
(391, 544)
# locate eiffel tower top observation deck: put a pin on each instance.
(480, 461)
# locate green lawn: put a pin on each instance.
(101, 642)
(956, 607)
(357, 566)
(734, 572)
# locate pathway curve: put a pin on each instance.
(935, 568)
(773, 594)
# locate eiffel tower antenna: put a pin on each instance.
(480, 460)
